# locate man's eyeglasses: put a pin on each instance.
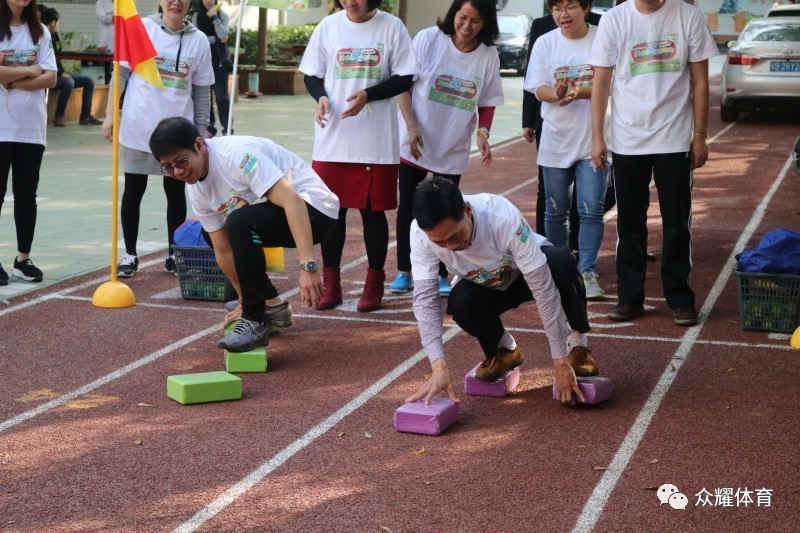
(179, 1)
(179, 164)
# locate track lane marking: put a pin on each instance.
(250, 480)
(602, 492)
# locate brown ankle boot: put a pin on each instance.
(373, 291)
(332, 292)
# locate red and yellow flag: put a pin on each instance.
(132, 44)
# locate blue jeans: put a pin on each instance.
(64, 85)
(590, 186)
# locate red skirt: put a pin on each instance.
(360, 185)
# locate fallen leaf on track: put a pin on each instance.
(731, 369)
(427, 376)
(672, 368)
(340, 434)
(601, 468)
(138, 442)
(421, 451)
(429, 482)
(654, 461)
(144, 405)
(650, 488)
(367, 435)
(386, 529)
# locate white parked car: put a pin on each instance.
(762, 70)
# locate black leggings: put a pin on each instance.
(410, 178)
(477, 309)
(24, 160)
(376, 239)
(250, 229)
(135, 185)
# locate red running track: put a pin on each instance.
(90, 442)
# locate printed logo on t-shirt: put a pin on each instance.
(19, 57)
(456, 91)
(247, 163)
(172, 76)
(497, 277)
(231, 203)
(581, 75)
(359, 62)
(656, 55)
(523, 231)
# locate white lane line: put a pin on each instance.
(70, 290)
(602, 492)
(108, 378)
(254, 477)
(783, 345)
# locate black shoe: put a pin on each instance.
(128, 266)
(90, 121)
(625, 312)
(685, 315)
(3, 276)
(26, 270)
(170, 266)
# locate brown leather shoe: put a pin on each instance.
(582, 361)
(59, 121)
(493, 368)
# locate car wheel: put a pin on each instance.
(728, 113)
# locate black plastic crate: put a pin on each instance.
(768, 302)
(200, 277)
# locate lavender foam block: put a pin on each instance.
(498, 388)
(595, 389)
(431, 419)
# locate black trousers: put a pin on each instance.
(673, 177)
(24, 161)
(477, 309)
(409, 178)
(130, 208)
(250, 229)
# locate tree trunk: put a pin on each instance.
(261, 51)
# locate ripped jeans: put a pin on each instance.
(590, 186)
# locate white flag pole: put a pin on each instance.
(234, 86)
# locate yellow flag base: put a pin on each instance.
(113, 295)
(796, 339)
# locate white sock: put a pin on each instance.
(508, 342)
(577, 339)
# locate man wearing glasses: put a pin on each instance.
(250, 193)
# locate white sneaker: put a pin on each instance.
(128, 266)
(593, 290)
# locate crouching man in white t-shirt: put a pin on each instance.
(250, 193)
(500, 263)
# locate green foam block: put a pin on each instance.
(253, 361)
(204, 387)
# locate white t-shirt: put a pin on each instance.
(651, 90)
(240, 172)
(451, 86)
(352, 56)
(504, 246)
(146, 105)
(566, 130)
(23, 114)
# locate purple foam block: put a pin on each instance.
(595, 389)
(431, 419)
(498, 388)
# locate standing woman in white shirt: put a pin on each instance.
(355, 63)
(27, 69)
(183, 58)
(105, 25)
(459, 75)
(560, 76)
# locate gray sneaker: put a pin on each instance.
(245, 336)
(593, 290)
(279, 316)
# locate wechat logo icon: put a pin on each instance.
(670, 495)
